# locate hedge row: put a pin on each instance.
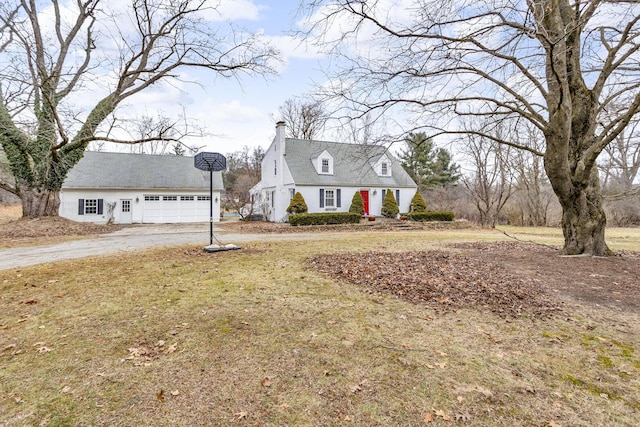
(324, 218)
(430, 216)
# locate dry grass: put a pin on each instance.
(10, 213)
(254, 337)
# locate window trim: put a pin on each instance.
(337, 198)
(82, 206)
(321, 163)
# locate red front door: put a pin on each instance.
(365, 199)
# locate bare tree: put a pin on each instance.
(622, 163)
(242, 174)
(561, 65)
(491, 184)
(48, 58)
(304, 119)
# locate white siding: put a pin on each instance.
(141, 212)
(311, 196)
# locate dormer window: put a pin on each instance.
(325, 165)
(383, 166)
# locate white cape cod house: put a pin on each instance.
(138, 188)
(328, 174)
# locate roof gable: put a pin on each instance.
(123, 170)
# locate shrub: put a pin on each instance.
(357, 204)
(389, 205)
(324, 218)
(430, 216)
(297, 205)
(417, 203)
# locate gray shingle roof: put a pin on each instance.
(124, 170)
(352, 165)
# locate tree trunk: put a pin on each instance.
(584, 220)
(37, 202)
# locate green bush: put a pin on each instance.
(324, 218)
(357, 204)
(389, 205)
(430, 216)
(417, 203)
(297, 205)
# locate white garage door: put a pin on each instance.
(171, 209)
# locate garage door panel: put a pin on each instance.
(171, 209)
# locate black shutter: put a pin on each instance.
(384, 193)
(338, 201)
(100, 206)
(322, 197)
(398, 197)
(80, 206)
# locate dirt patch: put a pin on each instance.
(50, 227)
(506, 277)
(608, 281)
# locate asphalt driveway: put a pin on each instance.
(130, 239)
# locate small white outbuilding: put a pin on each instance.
(125, 188)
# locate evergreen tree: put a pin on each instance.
(297, 204)
(428, 167)
(357, 204)
(417, 203)
(389, 205)
(444, 172)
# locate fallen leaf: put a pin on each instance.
(266, 382)
(43, 350)
(8, 347)
(160, 395)
(442, 414)
(66, 389)
(241, 415)
(175, 393)
(171, 348)
(356, 388)
(428, 418)
(441, 365)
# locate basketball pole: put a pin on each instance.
(210, 206)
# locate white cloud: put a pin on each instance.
(232, 10)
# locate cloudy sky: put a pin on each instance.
(243, 112)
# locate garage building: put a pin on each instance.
(125, 188)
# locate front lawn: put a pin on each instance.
(259, 337)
